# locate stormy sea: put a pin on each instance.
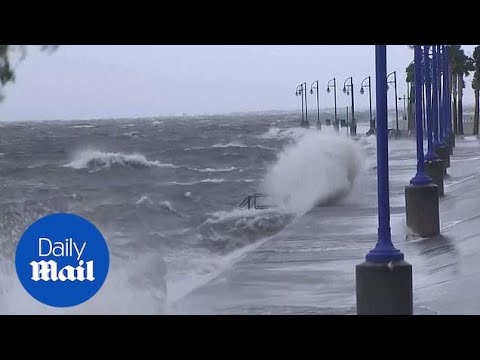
(165, 192)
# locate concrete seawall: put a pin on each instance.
(293, 273)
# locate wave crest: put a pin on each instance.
(94, 159)
(316, 170)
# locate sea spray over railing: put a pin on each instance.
(317, 169)
(96, 159)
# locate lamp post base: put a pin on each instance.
(451, 141)
(384, 289)
(353, 130)
(422, 209)
(305, 124)
(434, 170)
(443, 153)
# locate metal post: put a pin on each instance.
(422, 195)
(315, 85)
(446, 90)
(354, 123)
(384, 251)
(440, 97)
(424, 110)
(396, 97)
(431, 154)
(347, 121)
(303, 118)
(404, 98)
(370, 99)
(306, 107)
(335, 98)
(420, 178)
(436, 140)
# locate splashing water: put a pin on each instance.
(104, 160)
(317, 169)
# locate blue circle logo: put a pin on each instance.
(62, 260)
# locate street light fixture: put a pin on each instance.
(303, 91)
(394, 81)
(299, 91)
(315, 86)
(362, 91)
(332, 83)
(348, 89)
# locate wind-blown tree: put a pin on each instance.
(7, 72)
(476, 87)
(461, 67)
(453, 55)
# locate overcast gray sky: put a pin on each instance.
(106, 81)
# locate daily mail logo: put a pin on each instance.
(49, 270)
(62, 260)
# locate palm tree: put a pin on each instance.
(454, 55)
(476, 87)
(461, 67)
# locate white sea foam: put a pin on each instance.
(104, 160)
(232, 168)
(229, 145)
(316, 169)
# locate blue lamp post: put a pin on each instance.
(298, 92)
(420, 178)
(421, 196)
(394, 82)
(306, 123)
(348, 89)
(384, 251)
(368, 85)
(332, 83)
(436, 138)
(442, 151)
(433, 165)
(384, 280)
(302, 90)
(441, 90)
(431, 154)
(315, 86)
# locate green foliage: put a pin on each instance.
(459, 60)
(475, 61)
(7, 72)
(410, 73)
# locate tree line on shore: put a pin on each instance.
(461, 66)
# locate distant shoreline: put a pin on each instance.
(468, 110)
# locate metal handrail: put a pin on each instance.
(251, 202)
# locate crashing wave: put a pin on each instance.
(94, 159)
